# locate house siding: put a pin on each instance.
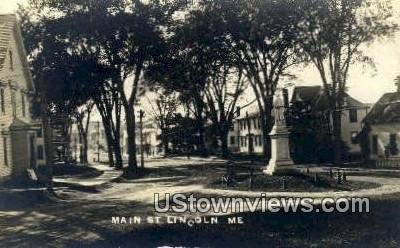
(349, 127)
(383, 132)
(15, 80)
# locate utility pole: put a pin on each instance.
(98, 141)
(141, 115)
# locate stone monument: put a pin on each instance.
(280, 162)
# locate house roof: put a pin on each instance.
(317, 98)
(386, 110)
(251, 109)
(309, 94)
(7, 23)
(10, 30)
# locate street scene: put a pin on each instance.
(226, 123)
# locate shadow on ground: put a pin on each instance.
(88, 224)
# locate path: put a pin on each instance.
(108, 174)
(85, 218)
(143, 190)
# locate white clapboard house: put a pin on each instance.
(21, 141)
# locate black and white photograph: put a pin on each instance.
(199, 123)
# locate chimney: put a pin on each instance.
(398, 85)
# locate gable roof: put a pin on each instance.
(7, 23)
(307, 94)
(316, 97)
(9, 27)
(386, 110)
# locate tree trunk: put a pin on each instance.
(117, 133)
(224, 143)
(85, 149)
(266, 125)
(337, 136)
(48, 146)
(117, 152)
(130, 129)
(165, 141)
(83, 138)
(67, 127)
(201, 141)
(110, 140)
(85, 133)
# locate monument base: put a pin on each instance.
(281, 167)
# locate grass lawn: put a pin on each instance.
(294, 183)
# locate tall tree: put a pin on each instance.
(53, 74)
(193, 49)
(222, 93)
(265, 38)
(142, 43)
(332, 35)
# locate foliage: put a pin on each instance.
(332, 35)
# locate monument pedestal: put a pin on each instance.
(280, 162)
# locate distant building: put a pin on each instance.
(382, 131)
(98, 146)
(97, 142)
(246, 131)
(21, 144)
(308, 120)
(151, 141)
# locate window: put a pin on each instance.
(14, 109)
(5, 150)
(232, 140)
(39, 133)
(354, 139)
(3, 106)
(40, 152)
(393, 144)
(11, 60)
(353, 115)
(255, 123)
(375, 144)
(23, 104)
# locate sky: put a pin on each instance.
(364, 84)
